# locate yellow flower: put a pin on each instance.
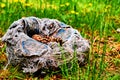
(67, 4)
(15, 0)
(2, 5)
(73, 12)
(90, 4)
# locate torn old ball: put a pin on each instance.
(34, 44)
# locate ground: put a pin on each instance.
(97, 21)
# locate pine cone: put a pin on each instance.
(46, 39)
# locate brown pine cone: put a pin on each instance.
(37, 37)
(40, 38)
(46, 39)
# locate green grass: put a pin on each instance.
(93, 18)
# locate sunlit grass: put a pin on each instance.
(96, 20)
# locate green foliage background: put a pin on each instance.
(95, 17)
